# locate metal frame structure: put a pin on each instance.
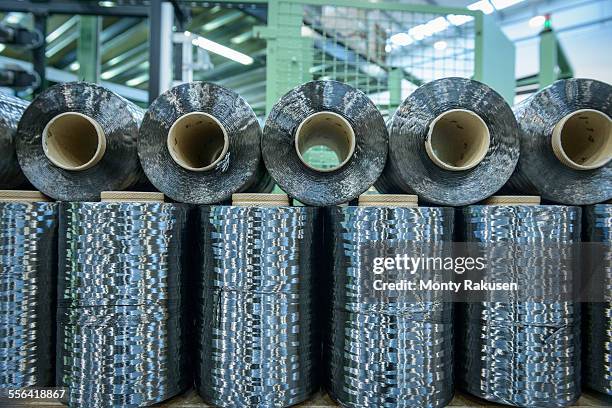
(89, 41)
(89, 48)
(289, 61)
(554, 64)
(90, 8)
(288, 53)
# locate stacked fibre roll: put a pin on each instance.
(200, 143)
(258, 346)
(326, 114)
(453, 141)
(386, 353)
(523, 350)
(566, 143)
(11, 109)
(77, 139)
(598, 316)
(27, 289)
(121, 319)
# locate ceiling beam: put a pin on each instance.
(72, 7)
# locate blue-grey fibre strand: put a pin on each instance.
(381, 353)
(11, 109)
(27, 288)
(241, 169)
(256, 329)
(523, 351)
(598, 316)
(118, 169)
(324, 188)
(538, 171)
(409, 168)
(122, 322)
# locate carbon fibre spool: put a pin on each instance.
(598, 316)
(122, 323)
(523, 351)
(77, 139)
(386, 353)
(256, 329)
(579, 170)
(11, 109)
(331, 114)
(453, 141)
(200, 143)
(27, 287)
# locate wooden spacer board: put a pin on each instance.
(260, 200)
(22, 196)
(513, 200)
(388, 200)
(131, 197)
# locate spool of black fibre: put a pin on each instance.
(258, 342)
(122, 323)
(523, 349)
(28, 267)
(77, 139)
(566, 143)
(200, 143)
(598, 316)
(11, 109)
(453, 141)
(333, 115)
(386, 352)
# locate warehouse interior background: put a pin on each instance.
(385, 48)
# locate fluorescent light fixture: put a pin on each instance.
(12, 18)
(537, 21)
(240, 38)
(502, 4)
(418, 32)
(74, 66)
(222, 50)
(428, 29)
(137, 80)
(401, 39)
(62, 29)
(458, 19)
(106, 3)
(307, 31)
(436, 25)
(440, 45)
(113, 72)
(372, 70)
(482, 5)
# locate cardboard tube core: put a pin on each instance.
(457, 140)
(325, 129)
(197, 141)
(582, 140)
(74, 141)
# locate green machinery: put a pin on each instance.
(553, 62)
(384, 48)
